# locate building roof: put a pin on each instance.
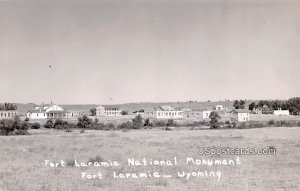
(241, 111)
(165, 108)
(36, 111)
(110, 106)
(56, 111)
(10, 111)
(183, 109)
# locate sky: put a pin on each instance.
(121, 51)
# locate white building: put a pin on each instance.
(146, 113)
(281, 112)
(47, 111)
(108, 110)
(167, 112)
(206, 114)
(219, 107)
(192, 114)
(8, 114)
(71, 114)
(241, 115)
(184, 109)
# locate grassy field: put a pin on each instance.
(22, 159)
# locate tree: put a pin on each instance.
(16, 122)
(239, 104)
(236, 104)
(293, 105)
(137, 122)
(252, 106)
(93, 111)
(8, 107)
(214, 117)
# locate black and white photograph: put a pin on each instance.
(149, 95)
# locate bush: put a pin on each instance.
(271, 122)
(24, 126)
(49, 124)
(110, 126)
(242, 126)
(198, 123)
(103, 126)
(160, 123)
(124, 112)
(137, 122)
(256, 125)
(35, 125)
(214, 117)
(281, 123)
(214, 125)
(126, 125)
(6, 126)
(84, 122)
(18, 132)
(172, 123)
(98, 126)
(60, 124)
(13, 127)
(147, 122)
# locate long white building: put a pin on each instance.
(52, 111)
(8, 114)
(108, 110)
(168, 112)
(281, 112)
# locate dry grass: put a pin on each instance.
(22, 159)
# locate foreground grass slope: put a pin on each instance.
(22, 159)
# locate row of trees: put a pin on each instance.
(8, 107)
(85, 122)
(292, 104)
